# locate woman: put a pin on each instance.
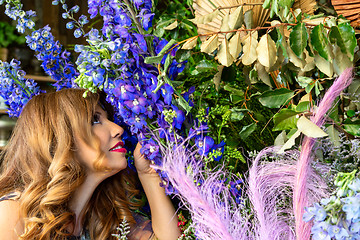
(65, 175)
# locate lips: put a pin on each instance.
(118, 147)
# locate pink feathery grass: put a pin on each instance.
(214, 213)
(303, 229)
(270, 191)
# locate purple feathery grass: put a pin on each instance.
(214, 213)
(270, 191)
(303, 229)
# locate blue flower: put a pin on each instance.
(150, 149)
(352, 207)
(204, 144)
(138, 105)
(146, 18)
(236, 189)
(320, 231)
(166, 92)
(338, 232)
(316, 212)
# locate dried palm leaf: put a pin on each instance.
(306, 6)
(204, 7)
(349, 9)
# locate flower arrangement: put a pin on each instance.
(199, 88)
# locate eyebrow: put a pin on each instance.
(102, 113)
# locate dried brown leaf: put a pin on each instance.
(210, 45)
(190, 44)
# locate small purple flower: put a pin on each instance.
(204, 145)
(321, 231)
(166, 92)
(138, 105)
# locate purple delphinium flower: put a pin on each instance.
(14, 88)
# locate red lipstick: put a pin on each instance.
(118, 147)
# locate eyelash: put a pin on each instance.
(95, 119)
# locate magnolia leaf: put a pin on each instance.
(298, 39)
(276, 98)
(333, 135)
(266, 4)
(217, 77)
(248, 19)
(225, 23)
(263, 74)
(235, 46)
(210, 45)
(291, 142)
(280, 139)
(224, 56)
(190, 44)
(341, 61)
(309, 62)
(236, 18)
(320, 41)
(323, 65)
(298, 62)
(344, 36)
(281, 42)
(303, 106)
(305, 98)
(285, 119)
(352, 127)
(247, 130)
(172, 26)
(249, 48)
(304, 81)
(309, 128)
(266, 51)
(205, 18)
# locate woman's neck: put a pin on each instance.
(80, 200)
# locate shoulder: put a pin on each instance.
(11, 225)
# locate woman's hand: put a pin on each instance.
(142, 165)
(163, 216)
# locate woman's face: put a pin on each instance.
(111, 144)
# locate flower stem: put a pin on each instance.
(133, 15)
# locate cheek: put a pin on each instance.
(102, 137)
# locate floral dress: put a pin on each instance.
(142, 230)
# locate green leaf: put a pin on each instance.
(303, 106)
(276, 98)
(352, 127)
(247, 130)
(298, 39)
(234, 91)
(206, 65)
(156, 59)
(333, 135)
(304, 81)
(285, 119)
(235, 98)
(236, 115)
(281, 41)
(344, 36)
(266, 4)
(320, 42)
(350, 113)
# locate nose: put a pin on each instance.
(115, 130)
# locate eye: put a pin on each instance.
(95, 119)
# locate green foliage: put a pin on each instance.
(298, 38)
(9, 35)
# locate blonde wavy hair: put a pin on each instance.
(39, 163)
